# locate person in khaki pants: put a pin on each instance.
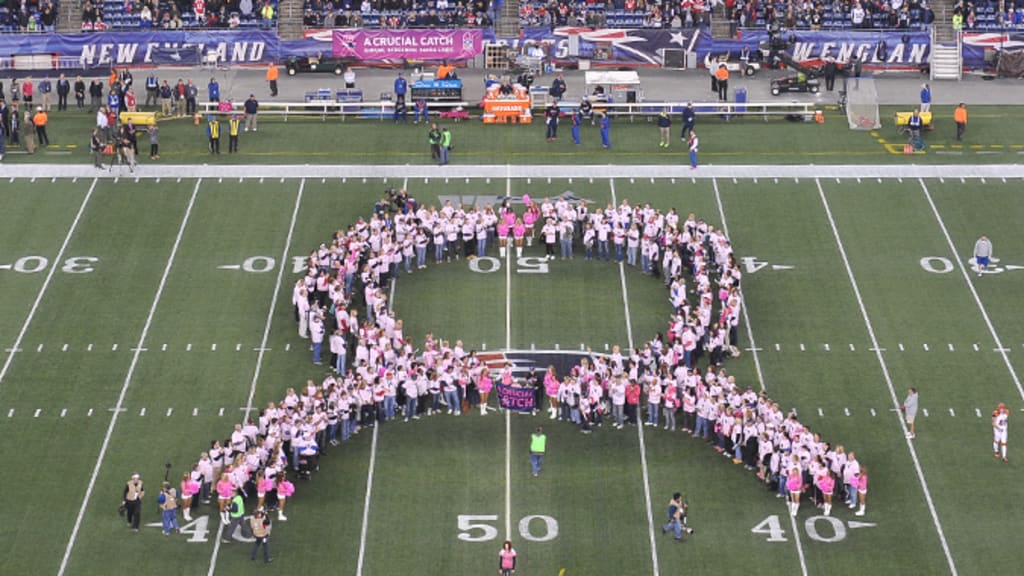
(260, 525)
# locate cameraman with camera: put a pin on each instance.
(260, 525)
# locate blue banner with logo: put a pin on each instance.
(975, 44)
(105, 49)
(876, 49)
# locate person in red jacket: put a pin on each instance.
(632, 401)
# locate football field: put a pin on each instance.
(143, 317)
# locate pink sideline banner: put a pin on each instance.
(408, 44)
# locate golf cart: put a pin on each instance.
(747, 67)
(802, 79)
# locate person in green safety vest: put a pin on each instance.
(446, 145)
(538, 444)
(236, 511)
(434, 138)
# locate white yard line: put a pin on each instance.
(262, 349)
(639, 420)
(46, 283)
(888, 381)
(373, 453)
(508, 346)
(274, 297)
(970, 284)
(127, 381)
(760, 375)
(743, 304)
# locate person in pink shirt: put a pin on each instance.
(26, 92)
(518, 233)
(225, 490)
(794, 483)
(862, 490)
(504, 227)
(189, 488)
(484, 385)
(530, 220)
(551, 387)
(827, 485)
(263, 485)
(507, 559)
(285, 489)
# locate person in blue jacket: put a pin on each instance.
(605, 125)
(926, 97)
(214, 89)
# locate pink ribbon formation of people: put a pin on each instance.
(377, 374)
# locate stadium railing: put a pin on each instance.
(384, 110)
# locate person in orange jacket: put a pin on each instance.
(722, 75)
(272, 74)
(40, 120)
(960, 117)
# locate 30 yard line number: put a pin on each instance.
(34, 264)
(479, 528)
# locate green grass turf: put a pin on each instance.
(992, 138)
(429, 472)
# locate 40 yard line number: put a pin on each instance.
(825, 529)
(479, 528)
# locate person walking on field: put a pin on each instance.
(236, 511)
(677, 517)
(960, 117)
(507, 559)
(909, 409)
(538, 445)
(694, 149)
(134, 491)
(982, 254)
(168, 502)
(665, 127)
(1000, 424)
(260, 525)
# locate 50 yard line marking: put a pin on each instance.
(263, 347)
(977, 299)
(128, 380)
(508, 346)
(888, 380)
(46, 282)
(760, 375)
(361, 559)
(640, 426)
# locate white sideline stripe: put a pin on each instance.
(746, 318)
(261, 349)
(508, 345)
(373, 451)
(967, 278)
(888, 380)
(46, 282)
(640, 427)
(128, 379)
(530, 172)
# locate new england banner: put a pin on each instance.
(177, 47)
(369, 45)
(514, 397)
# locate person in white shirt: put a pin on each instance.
(317, 331)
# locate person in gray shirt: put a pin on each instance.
(982, 253)
(909, 409)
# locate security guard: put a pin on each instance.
(233, 125)
(213, 131)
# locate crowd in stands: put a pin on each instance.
(178, 14)
(988, 15)
(28, 16)
(379, 375)
(396, 14)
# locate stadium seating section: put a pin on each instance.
(29, 16)
(396, 14)
(165, 14)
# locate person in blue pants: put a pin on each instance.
(605, 125)
(577, 119)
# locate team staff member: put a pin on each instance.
(689, 121)
(233, 125)
(722, 76)
(134, 491)
(40, 120)
(236, 511)
(538, 445)
(551, 122)
(213, 131)
(960, 117)
(605, 126)
(665, 127)
(434, 138)
(252, 107)
(272, 74)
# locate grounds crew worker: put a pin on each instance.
(213, 131)
(960, 117)
(722, 75)
(132, 500)
(233, 125)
